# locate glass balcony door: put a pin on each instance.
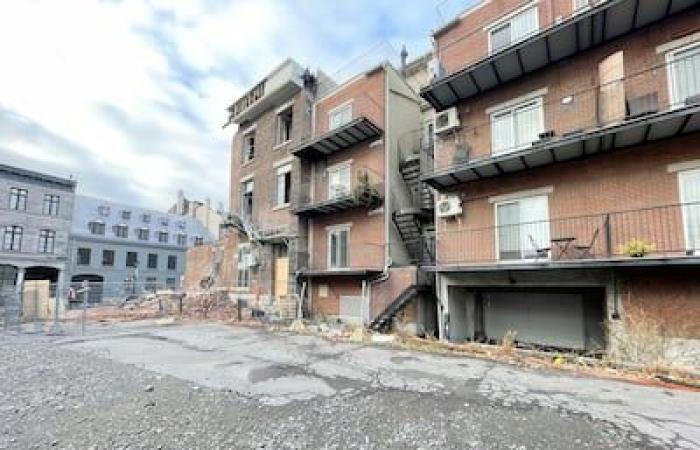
(522, 228)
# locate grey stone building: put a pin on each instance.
(123, 249)
(35, 219)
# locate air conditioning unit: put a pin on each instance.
(446, 120)
(449, 206)
(435, 69)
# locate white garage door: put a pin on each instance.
(543, 318)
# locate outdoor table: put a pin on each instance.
(563, 245)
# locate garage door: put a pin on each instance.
(544, 318)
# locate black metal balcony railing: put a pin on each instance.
(365, 191)
(626, 112)
(661, 232)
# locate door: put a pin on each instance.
(611, 100)
(690, 198)
(281, 276)
(522, 228)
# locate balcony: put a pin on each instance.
(625, 113)
(365, 191)
(359, 260)
(362, 123)
(654, 236)
(561, 38)
(280, 85)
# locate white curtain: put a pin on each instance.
(528, 123)
(534, 232)
(691, 209)
(686, 73)
(502, 132)
(524, 24)
(508, 231)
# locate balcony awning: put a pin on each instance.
(347, 272)
(572, 146)
(352, 133)
(602, 23)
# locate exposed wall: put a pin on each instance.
(329, 306)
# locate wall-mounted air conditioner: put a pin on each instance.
(449, 206)
(446, 120)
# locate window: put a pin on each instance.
(690, 198)
(182, 240)
(18, 199)
(181, 224)
(151, 284)
(108, 258)
(51, 204)
(243, 260)
(146, 218)
(96, 227)
(338, 181)
(103, 211)
(284, 126)
(83, 256)
(152, 261)
(339, 116)
(164, 221)
(283, 186)
(522, 227)
(247, 198)
(132, 259)
(684, 73)
(12, 239)
(581, 5)
(516, 127)
(121, 231)
(515, 29)
(198, 240)
(47, 239)
(338, 247)
(248, 152)
(126, 215)
(170, 283)
(172, 262)
(143, 234)
(163, 237)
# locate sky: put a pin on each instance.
(129, 97)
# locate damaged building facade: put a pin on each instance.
(568, 170)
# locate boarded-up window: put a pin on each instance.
(611, 100)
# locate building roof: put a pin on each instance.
(38, 176)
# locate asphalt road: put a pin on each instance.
(214, 386)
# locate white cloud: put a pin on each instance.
(134, 92)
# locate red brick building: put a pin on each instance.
(567, 162)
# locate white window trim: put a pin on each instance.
(329, 231)
(347, 104)
(497, 252)
(285, 168)
(284, 107)
(337, 167)
(678, 43)
(511, 107)
(283, 162)
(519, 195)
(683, 166)
(578, 10)
(507, 18)
(249, 130)
(681, 199)
(670, 57)
(518, 100)
(281, 170)
(247, 178)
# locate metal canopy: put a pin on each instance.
(341, 138)
(582, 31)
(368, 198)
(578, 145)
(344, 272)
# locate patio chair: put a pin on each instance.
(540, 252)
(586, 251)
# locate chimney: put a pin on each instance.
(180, 209)
(404, 57)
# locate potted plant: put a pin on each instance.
(637, 248)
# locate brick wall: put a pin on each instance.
(385, 292)
(337, 287)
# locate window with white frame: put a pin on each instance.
(516, 127)
(581, 5)
(47, 240)
(283, 185)
(284, 125)
(96, 227)
(121, 231)
(338, 247)
(248, 151)
(243, 262)
(182, 240)
(684, 73)
(339, 182)
(689, 187)
(339, 116)
(522, 227)
(163, 237)
(12, 239)
(247, 198)
(143, 234)
(514, 29)
(51, 204)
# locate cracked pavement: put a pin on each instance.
(232, 387)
